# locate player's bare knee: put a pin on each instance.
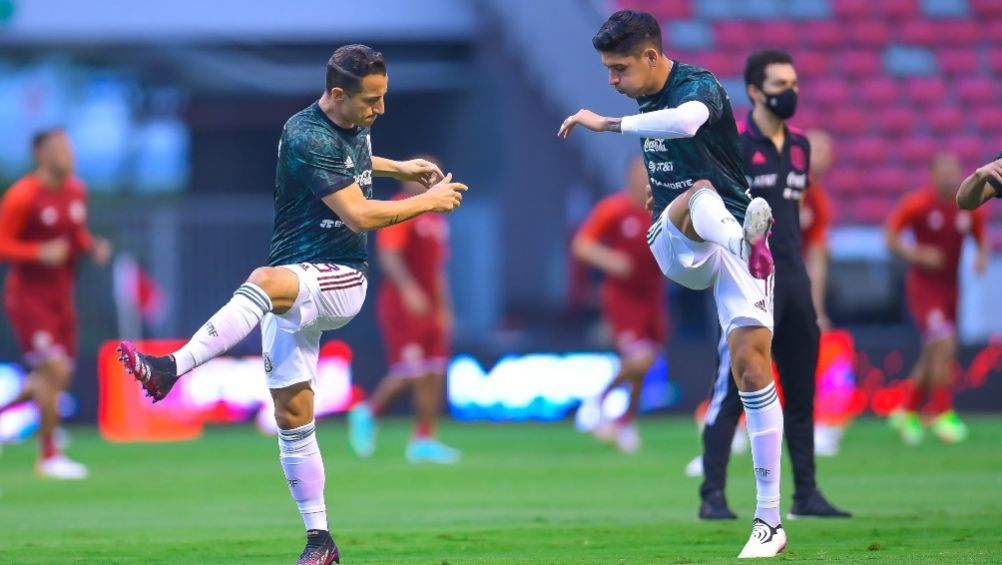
(293, 406)
(751, 366)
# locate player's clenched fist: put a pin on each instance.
(446, 196)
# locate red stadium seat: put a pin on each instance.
(919, 32)
(926, 91)
(961, 32)
(916, 150)
(736, 34)
(860, 62)
(986, 8)
(898, 9)
(867, 151)
(853, 9)
(943, 119)
(995, 61)
(843, 181)
(661, 9)
(979, 90)
(958, 61)
(823, 34)
(722, 64)
(895, 120)
(812, 63)
(888, 180)
(873, 209)
(970, 149)
(831, 91)
(988, 120)
(879, 91)
(779, 34)
(868, 33)
(848, 120)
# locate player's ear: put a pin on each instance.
(753, 93)
(651, 56)
(338, 93)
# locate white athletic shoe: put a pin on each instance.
(695, 467)
(765, 541)
(758, 223)
(60, 467)
(627, 438)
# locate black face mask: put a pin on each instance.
(783, 105)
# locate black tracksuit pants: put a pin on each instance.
(795, 345)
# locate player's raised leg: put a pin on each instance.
(268, 289)
(702, 216)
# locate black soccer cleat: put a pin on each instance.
(815, 506)
(714, 507)
(320, 549)
(156, 374)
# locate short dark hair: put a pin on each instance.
(350, 64)
(41, 136)
(759, 60)
(627, 30)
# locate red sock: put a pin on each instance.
(915, 398)
(48, 445)
(942, 400)
(626, 418)
(376, 409)
(424, 430)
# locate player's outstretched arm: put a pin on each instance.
(977, 188)
(670, 123)
(417, 170)
(361, 214)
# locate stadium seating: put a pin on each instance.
(894, 81)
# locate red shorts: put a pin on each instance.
(45, 328)
(933, 308)
(639, 324)
(414, 346)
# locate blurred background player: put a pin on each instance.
(316, 278)
(938, 228)
(777, 162)
(43, 233)
(708, 230)
(613, 239)
(414, 308)
(984, 184)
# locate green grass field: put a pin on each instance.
(523, 494)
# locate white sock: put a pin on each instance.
(764, 418)
(225, 328)
(713, 222)
(304, 471)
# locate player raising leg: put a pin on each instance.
(316, 278)
(700, 196)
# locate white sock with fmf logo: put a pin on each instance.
(764, 417)
(225, 328)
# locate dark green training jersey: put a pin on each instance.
(714, 153)
(316, 158)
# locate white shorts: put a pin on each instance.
(329, 297)
(742, 300)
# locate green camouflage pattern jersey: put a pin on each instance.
(714, 153)
(317, 158)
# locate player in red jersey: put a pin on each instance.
(613, 239)
(939, 228)
(43, 233)
(414, 309)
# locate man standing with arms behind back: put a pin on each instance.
(777, 161)
(700, 197)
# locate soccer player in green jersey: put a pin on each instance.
(699, 196)
(316, 275)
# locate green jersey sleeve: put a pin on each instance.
(320, 164)
(703, 88)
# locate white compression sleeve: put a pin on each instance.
(670, 123)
